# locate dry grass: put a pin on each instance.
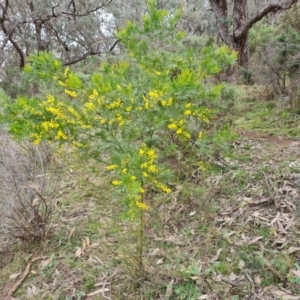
(27, 190)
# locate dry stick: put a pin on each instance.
(22, 277)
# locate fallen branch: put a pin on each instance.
(22, 277)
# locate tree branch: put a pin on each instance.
(83, 57)
(281, 4)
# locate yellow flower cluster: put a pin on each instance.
(37, 138)
(116, 182)
(201, 166)
(179, 128)
(111, 167)
(168, 102)
(48, 125)
(114, 105)
(155, 94)
(72, 94)
(94, 95)
(60, 135)
(142, 205)
(150, 167)
(162, 187)
(90, 106)
(58, 119)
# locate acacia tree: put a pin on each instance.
(234, 32)
(74, 29)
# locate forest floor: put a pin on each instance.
(233, 235)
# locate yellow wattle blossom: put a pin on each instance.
(66, 72)
(141, 152)
(114, 105)
(144, 165)
(111, 167)
(100, 100)
(120, 120)
(200, 135)
(50, 99)
(53, 124)
(170, 102)
(164, 103)
(72, 94)
(151, 155)
(146, 102)
(133, 178)
(186, 134)
(90, 106)
(61, 83)
(201, 166)
(155, 94)
(37, 139)
(188, 112)
(179, 131)
(86, 126)
(125, 161)
(142, 205)
(47, 125)
(204, 118)
(60, 135)
(172, 126)
(188, 105)
(103, 121)
(116, 182)
(162, 187)
(142, 191)
(153, 169)
(124, 171)
(128, 108)
(57, 63)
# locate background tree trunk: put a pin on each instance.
(240, 18)
(242, 23)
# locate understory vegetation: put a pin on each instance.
(145, 176)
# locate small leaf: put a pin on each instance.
(257, 279)
(78, 252)
(160, 261)
(241, 264)
(83, 245)
(13, 276)
(192, 213)
(255, 240)
(71, 233)
(154, 252)
(232, 277)
(87, 241)
(217, 255)
(169, 289)
(293, 249)
(98, 292)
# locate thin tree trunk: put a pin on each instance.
(240, 18)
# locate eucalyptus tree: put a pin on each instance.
(234, 29)
(72, 29)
